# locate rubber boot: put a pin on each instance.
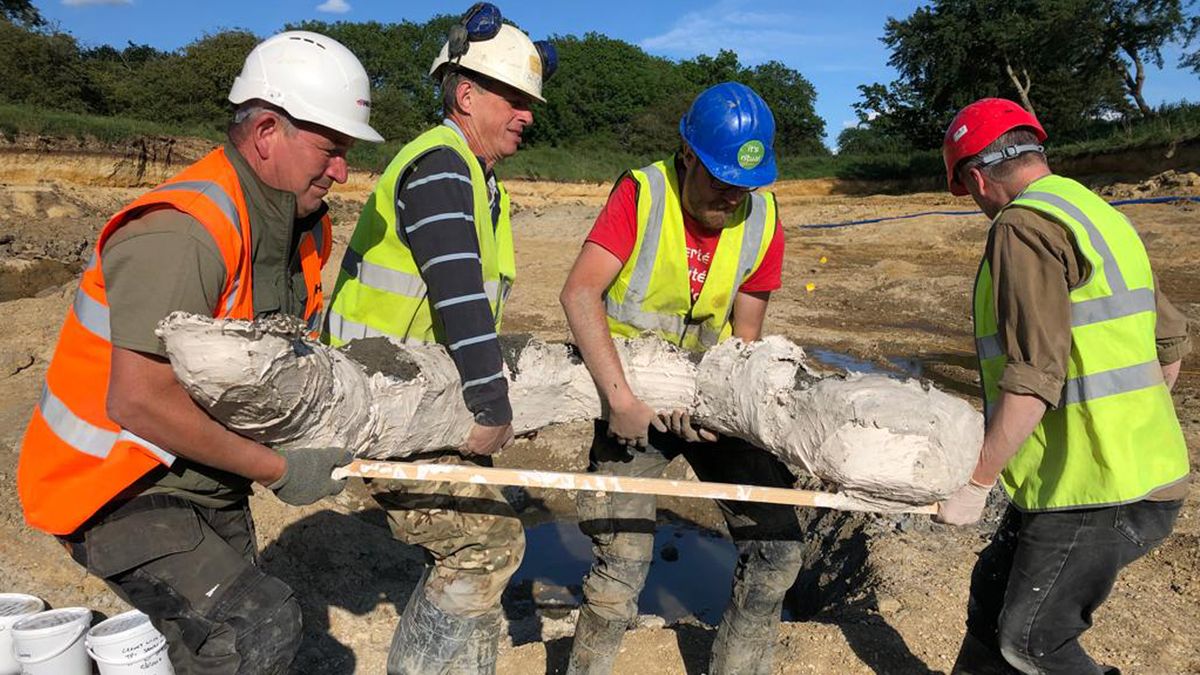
(976, 658)
(597, 641)
(479, 656)
(427, 640)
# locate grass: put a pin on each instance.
(1173, 123)
(23, 119)
(594, 162)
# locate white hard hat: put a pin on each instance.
(509, 57)
(313, 78)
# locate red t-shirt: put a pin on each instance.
(616, 231)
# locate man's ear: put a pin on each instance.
(688, 155)
(464, 94)
(268, 127)
(973, 177)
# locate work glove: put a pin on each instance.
(308, 476)
(965, 506)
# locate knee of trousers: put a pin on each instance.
(612, 586)
(267, 625)
(766, 571)
(1017, 650)
(470, 583)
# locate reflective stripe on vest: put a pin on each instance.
(629, 311)
(380, 290)
(87, 437)
(1114, 437)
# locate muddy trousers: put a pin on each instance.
(1037, 584)
(194, 572)
(768, 539)
(474, 543)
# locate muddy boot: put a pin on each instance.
(976, 658)
(479, 655)
(427, 640)
(596, 643)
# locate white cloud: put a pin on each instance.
(754, 36)
(334, 6)
(86, 3)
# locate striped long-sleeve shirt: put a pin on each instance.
(434, 217)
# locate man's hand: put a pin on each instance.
(630, 422)
(679, 422)
(965, 506)
(307, 477)
(483, 440)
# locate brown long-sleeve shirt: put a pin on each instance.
(1035, 265)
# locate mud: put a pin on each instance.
(894, 294)
(380, 355)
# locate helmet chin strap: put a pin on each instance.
(1009, 152)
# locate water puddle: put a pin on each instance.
(690, 575)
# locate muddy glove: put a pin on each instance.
(307, 476)
(965, 506)
(680, 424)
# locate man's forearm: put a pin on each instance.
(589, 326)
(1014, 419)
(145, 398)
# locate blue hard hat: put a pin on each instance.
(731, 130)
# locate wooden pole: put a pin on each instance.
(595, 482)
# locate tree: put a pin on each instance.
(1051, 55)
(1138, 30)
(22, 13)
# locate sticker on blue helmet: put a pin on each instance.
(750, 154)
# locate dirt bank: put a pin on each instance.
(894, 295)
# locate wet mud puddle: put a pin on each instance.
(689, 576)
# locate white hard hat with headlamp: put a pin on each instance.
(313, 78)
(480, 42)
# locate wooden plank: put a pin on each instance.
(595, 482)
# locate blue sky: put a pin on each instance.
(833, 44)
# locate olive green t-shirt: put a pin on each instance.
(1035, 266)
(164, 261)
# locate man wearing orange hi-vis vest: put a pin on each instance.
(145, 490)
(1078, 350)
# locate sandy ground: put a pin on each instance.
(892, 294)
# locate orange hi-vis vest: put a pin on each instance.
(74, 459)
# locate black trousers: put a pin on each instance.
(1037, 584)
(194, 572)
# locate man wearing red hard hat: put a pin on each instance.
(1078, 352)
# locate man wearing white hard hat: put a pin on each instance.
(431, 261)
(145, 490)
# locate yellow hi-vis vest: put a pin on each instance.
(653, 293)
(379, 288)
(1114, 437)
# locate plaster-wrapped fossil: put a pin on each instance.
(874, 437)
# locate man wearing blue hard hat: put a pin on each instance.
(690, 250)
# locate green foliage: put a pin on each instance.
(29, 120)
(871, 140)
(21, 12)
(1070, 61)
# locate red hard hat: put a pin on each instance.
(976, 126)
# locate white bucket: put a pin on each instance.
(51, 642)
(13, 607)
(128, 644)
